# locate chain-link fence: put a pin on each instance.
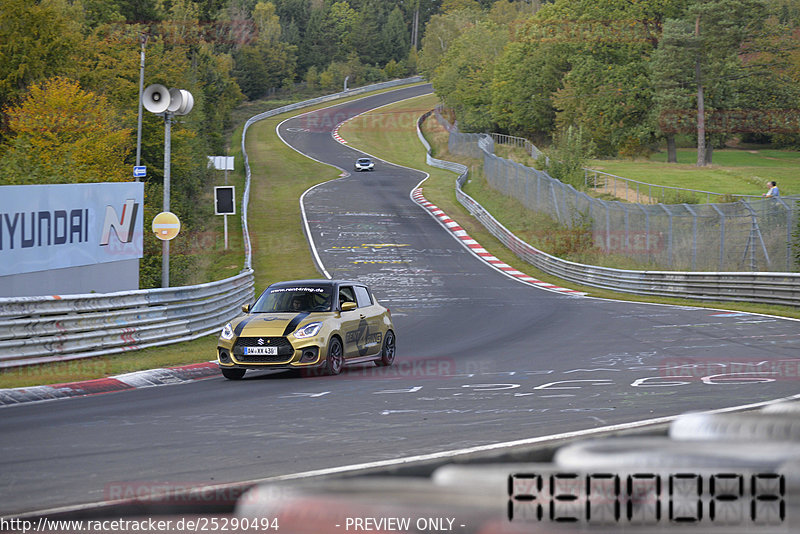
(746, 235)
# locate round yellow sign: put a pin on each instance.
(166, 225)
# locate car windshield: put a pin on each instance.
(363, 161)
(294, 299)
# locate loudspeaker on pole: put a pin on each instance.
(181, 101)
(156, 98)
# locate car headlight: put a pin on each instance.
(227, 332)
(308, 330)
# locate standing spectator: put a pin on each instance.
(773, 191)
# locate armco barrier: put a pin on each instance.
(767, 288)
(67, 327)
(58, 328)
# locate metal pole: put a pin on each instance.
(225, 217)
(627, 225)
(694, 236)
(143, 40)
(789, 227)
(527, 194)
(669, 234)
(646, 229)
(167, 149)
(721, 237)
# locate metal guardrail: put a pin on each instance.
(58, 328)
(519, 142)
(767, 288)
(47, 329)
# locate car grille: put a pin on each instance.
(285, 349)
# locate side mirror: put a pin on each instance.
(349, 306)
(246, 308)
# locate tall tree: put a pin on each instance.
(267, 62)
(372, 18)
(672, 73)
(464, 77)
(704, 50)
(63, 134)
(318, 44)
(267, 23)
(526, 76)
(721, 29)
(442, 30)
(608, 98)
(395, 37)
(37, 40)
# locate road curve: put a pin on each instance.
(482, 359)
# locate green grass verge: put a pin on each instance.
(735, 171)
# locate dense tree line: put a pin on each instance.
(630, 74)
(69, 77)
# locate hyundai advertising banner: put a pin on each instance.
(45, 227)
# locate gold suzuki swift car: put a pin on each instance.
(308, 324)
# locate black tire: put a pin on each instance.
(388, 351)
(233, 374)
(334, 363)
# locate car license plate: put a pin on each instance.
(261, 351)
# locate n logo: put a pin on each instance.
(123, 226)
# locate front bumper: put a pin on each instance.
(287, 356)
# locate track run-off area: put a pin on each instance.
(484, 358)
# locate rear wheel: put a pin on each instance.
(335, 360)
(233, 374)
(388, 351)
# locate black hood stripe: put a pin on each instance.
(242, 324)
(294, 322)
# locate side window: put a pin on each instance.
(363, 296)
(346, 295)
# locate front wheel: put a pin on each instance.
(335, 360)
(388, 351)
(233, 374)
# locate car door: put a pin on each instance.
(353, 324)
(372, 339)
